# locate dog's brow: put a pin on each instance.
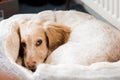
(28, 27)
(28, 31)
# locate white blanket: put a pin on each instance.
(13, 71)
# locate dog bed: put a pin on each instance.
(9, 70)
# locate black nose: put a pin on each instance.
(31, 65)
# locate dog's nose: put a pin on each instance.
(31, 65)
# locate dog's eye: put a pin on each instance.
(38, 43)
(23, 44)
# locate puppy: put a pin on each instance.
(38, 40)
(52, 43)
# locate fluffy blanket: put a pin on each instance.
(9, 70)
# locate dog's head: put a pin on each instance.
(38, 40)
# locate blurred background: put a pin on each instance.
(34, 6)
(11, 7)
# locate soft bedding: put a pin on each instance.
(10, 70)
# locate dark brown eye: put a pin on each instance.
(39, 42)
(23, 44)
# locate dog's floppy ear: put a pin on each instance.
(13, 42)
(57, 34)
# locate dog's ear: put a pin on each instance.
(13, 42)
(57, 34)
